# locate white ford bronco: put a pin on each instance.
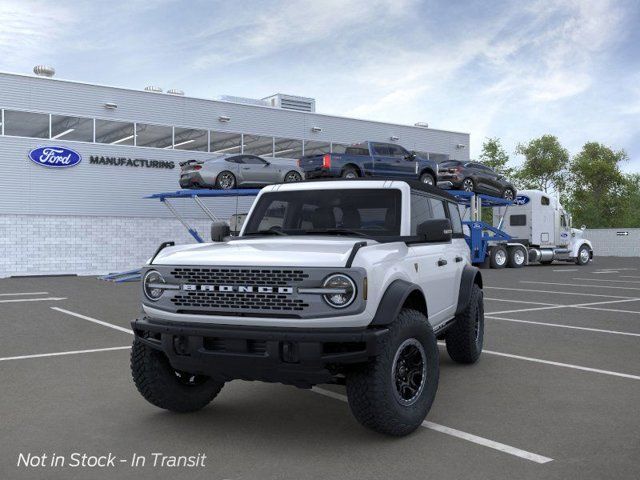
(347, 282)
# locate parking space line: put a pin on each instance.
(615, 310)
(58, 354)
(629, 276)
(563, 365)
(528, 309)
(22, 293)
(566, 270)
(485, 442)
(603, 280)
(577, 285)
(557, 293)
(46, 299)
(94, 320)
(519, 301)
(559, 325)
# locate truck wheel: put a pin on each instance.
(161, 385)
(465, 337)
(349, 173)
(498, 258)
(225, 180)
(583, 255)
(517, 257)
(427, 179)
(393, 393)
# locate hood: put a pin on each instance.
(308, 251)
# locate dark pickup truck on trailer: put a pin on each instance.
(371, 159)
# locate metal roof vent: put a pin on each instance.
(292, 102)
(44, 71)
(422, 124)
(152, 88)
(175, 91)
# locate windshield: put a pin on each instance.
(351, 212)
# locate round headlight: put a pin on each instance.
(152, 285)
(344, 290)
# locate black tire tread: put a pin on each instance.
(460, 338)
(371, 401)
(156, 382)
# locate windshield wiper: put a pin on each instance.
(338, 231)
(265, 232)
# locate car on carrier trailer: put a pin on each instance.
(328, 282)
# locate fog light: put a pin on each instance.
(344, 290)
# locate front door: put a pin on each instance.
(256, 171)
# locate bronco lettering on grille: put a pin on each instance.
(237, 288)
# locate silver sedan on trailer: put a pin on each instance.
(238, 170)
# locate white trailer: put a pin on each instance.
(538, 221)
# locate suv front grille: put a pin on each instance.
(238, 301)
(239, 276)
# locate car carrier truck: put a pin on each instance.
(537, 221)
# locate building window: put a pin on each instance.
(26, 124)
(287, 148)
(258, 145)
(114, 133)
(316, 148)
(157, 136)
(190, 139)
(71, 128)
(224, 142)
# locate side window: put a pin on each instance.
(563, 221)
(251, 160)
(234, 159)
(456, 222)
(544, 200)
(396, 151)
(420, 211)
(517, 220)
(437, 208)
(381, 149)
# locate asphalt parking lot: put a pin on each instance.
(555, 394)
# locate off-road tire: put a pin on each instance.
(371, 387)
(220, 185)
(158, 383)
(428, 179)
(512, 261)
(496, 258)
(579, 260)
(349, 173)
(464, 342)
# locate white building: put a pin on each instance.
(92, 218)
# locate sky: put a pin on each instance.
(514, 70)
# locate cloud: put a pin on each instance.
(30, 29)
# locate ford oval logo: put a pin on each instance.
(521, 200)
(55, 157)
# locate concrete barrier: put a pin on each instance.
(614, 242)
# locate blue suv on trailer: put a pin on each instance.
(371, 159)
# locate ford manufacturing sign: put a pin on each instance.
(55, 157)
(521, 200)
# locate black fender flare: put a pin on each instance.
(470, 275)
(394, 299)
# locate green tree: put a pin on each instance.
(495, 156)
(545, 164)
(599, 194)
(631, 216)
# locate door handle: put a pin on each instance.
(246, 168)
(459, 259)
(442, 262)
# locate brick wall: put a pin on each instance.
(83, 245)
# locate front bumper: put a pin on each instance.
(301, 357)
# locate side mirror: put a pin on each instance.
(436, 230)
(219, 231)
(410, 156)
